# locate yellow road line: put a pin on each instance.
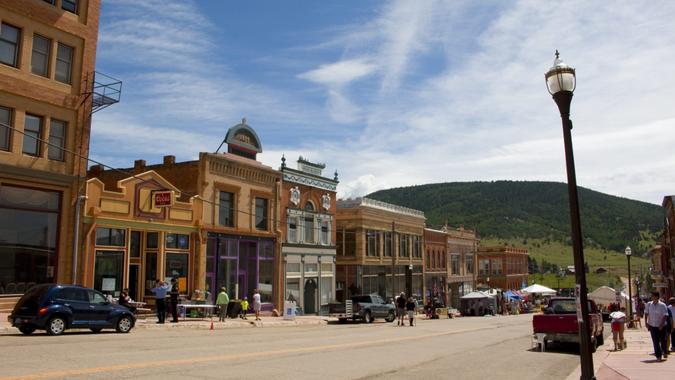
(174, 362)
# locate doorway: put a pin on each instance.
(310, 296)
(133, 282)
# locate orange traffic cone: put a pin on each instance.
(211, 323)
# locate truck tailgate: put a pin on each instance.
(555, 323)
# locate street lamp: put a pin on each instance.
(629, 252)
(561, 82)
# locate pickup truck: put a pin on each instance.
(364, 307)
(559, 322)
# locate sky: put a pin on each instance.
(397, 93)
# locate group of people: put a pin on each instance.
(405, 306)
(223, 300)
(160, 291)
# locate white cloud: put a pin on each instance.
(339, 73)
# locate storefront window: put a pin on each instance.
(150, 271)
(177, 267)
(293, 289)
(326, 290)
(265, 279)
(135, 244)
(28, 233)
(151, 240)
(113, 237)
(177, 241)
(108, 272)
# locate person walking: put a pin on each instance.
(160, 290)
(618, 325)
(656, 314)
(411, 308)
(244, 308)
(222, 301)
(256, 304)
(173, 294)
(400, 308)
(671, 309)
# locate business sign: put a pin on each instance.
(162, 198)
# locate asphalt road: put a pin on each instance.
(463, 348)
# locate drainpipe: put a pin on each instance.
(76, 236)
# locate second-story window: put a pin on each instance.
(64, 63)
(226, 209)
(5, 131)
(9, 44)
(403, 245)
(261, 213)
(325, 233)
(454, 263)
(57, 140)
(372, 243)
(39, 63)
(69, 5)
(292, 229)
(468, 259)
(32, 132)
(309, 229)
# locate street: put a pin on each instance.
(463, 348)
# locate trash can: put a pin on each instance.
(289, 310)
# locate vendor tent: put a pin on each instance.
(512, 295)
(475, 296)
(606, 295)
(538, 289)
(478, 304)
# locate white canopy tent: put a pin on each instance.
(605, 295)
(476, 296)
(538, 289)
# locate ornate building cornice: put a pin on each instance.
(295, 176)
(372, 203)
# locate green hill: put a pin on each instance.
(517, 210)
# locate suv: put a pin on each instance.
(55, 308)
(365, 307)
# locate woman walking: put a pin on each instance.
(256, 304)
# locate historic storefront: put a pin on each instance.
(461, 263)
(308, 236)
(379, 249)
(435, 268)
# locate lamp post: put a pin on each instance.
(561, 82)
(629, 252)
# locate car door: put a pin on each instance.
(378, 307)
(100, 307)
(77, 301)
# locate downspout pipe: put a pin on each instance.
(76, 236)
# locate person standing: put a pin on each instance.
(256, 304)
(160, 290)
(671, 308)
(174, 299)
(222, 301)
(411, 308)
(618, 326)
(656, 315)
(400, 308)
(244, 308)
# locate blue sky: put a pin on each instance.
(397, 93)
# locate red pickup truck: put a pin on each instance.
(559, 322)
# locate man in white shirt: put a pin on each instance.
(656, 315)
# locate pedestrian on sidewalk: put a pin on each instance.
(244, 308)
(257, 305)
(656, 314)
(222, 301)
(618, 326)
(411, 308)
(671, 308)
(400, 308)
(160, 290)
(174, 299)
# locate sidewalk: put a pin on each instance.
(635, 362)
(150, 323)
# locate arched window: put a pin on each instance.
(309, 206)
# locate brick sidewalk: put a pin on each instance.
(635, 362)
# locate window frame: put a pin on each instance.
(109, 241)
(60, 150)
(47, 55)
(17, 44)
(61, 60)
(8, 138)
(74, 3)
(265, 214)
(292, 232)
(36, 140)
(222, 209)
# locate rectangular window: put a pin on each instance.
(135, 244)
(110, 237)
(151, 239)
(454, 264)
(293, 267)
(261, 214)
(292, 229)
(226, 209)
(150, 271)
(309, 230)
(372, 243)
(39, 63)
(57, 140)
(403, 246)
(325, 236)
(326, 290)
(5, 125)
(64, 63)
(350, 243)
(69, 5)
(177, 241)
(387, 244)
(469, 263)
(483, 267)
(9, 44)
(32, 133)
(417, 246)
(177, 267)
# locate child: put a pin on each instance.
(244, 308)
(411, 308)
(618, 324)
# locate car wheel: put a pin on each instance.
(342, 320)
(124, 324)
(96, 330)
(27, 330)
(390, 317)
(368, 317)
(56, 326)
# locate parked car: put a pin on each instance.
(55, 308)
(559, 322)
(363, 307)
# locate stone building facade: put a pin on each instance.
(379, 249)
(46, 69)
(502, 267)
(308, 208)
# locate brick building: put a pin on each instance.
(502, 267)
(461, 262)
(663, 260)
(308, 235)
(379, 249)
(47, 59)
(435, 266)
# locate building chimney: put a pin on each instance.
(96, 170)
(169, 160)
(139, 166)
